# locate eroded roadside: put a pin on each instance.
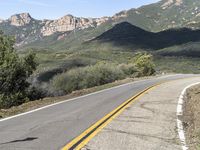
(192, 117)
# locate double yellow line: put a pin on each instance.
(80, 141)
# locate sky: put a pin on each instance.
(53, 9)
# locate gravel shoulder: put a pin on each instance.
(150, 123)
(192, 117)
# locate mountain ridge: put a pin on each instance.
(155, 17)
(124, 34)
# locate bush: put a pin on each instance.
(128, 69)
(99, 74)
(144, 63)
(87, 77)
(102, 73)
(14, 72)
(34, 93)
(68, 64)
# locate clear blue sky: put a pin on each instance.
(52, 9)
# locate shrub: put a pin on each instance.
(128, 69)
(87, 77)
(101, 73)
(34, 93)
(47, 75)
(14, 72)
(144, 63)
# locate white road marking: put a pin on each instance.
(76, 98)
(179, 113)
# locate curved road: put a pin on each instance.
(53, 127)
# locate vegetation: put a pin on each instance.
(14, 72)
(18, 86)
(86, 77)
(144, 63)
(102, 73)
(177, 65)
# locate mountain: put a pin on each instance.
(27, 29)
(126, 34)
(155, 17)
(165, 14)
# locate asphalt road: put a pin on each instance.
(150, 123)
(53, 127)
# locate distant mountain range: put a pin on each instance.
(156, 17)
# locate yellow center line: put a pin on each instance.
(81, 140)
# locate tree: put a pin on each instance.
(144, 63)
(14, 72)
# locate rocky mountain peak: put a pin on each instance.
(20, 19)
(121, 14)
(169, 3)
(63, 24)
(69, 23)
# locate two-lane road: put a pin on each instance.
(53, 127)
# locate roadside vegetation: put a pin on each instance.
(14, 72)
(21, 81)
(102, 73)
(86, 77)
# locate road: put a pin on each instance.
(53, 127)
(149, 123)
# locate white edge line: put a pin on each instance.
(76, 98)
(179, 113)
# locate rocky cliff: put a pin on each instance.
(49, 27)
(20, 19)
(69, 23)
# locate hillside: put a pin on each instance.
(125, 34)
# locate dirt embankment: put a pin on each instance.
(192, 117)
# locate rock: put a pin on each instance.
(169, 3)
(121, 14)
(20, 19)
(99, 21)
(62, 36)
(69, 23)
(64, 24)
(178, 2)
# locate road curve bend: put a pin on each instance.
(52, 127)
